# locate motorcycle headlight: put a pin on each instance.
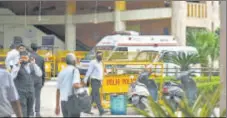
(135, 99)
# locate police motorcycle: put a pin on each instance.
(140, 90)
(174, 93)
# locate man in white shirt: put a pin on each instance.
(13, 56)
(95, 73)
(69, 77)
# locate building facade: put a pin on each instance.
(88, 21)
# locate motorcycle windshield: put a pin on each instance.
(153, 89)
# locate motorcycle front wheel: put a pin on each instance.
(143, 103)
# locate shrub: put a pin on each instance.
(203, 82)
(205, 103)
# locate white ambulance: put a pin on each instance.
(128, 41)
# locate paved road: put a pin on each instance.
(48, 103)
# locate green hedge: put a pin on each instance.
(208, 86)
(203, 83)
(197, 79)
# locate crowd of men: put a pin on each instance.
(21, 82)
(24, 76)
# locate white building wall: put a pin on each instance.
(7, 32)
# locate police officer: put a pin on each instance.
(25, 83)
(38, 81)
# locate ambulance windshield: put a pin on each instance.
(91, 54)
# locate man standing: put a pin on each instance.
(12, 57)
(9, 99)
(68, 78)
(95, 73)
(38, 81)
(25, 83)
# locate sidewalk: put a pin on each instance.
(48, 104)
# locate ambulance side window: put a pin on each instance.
(120, 53)
(168, 56)
(122, 49)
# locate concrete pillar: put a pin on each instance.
(118, 24)
(70, 28)
(209, 14)
(2, 35)
(213, 15)
(178, 24)
(216, 14)
(223, 55)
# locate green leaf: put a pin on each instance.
(169, 109)
(223, 114)
(142, 112)
(156, 108)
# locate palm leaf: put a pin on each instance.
(205, 102)
(168, 109)
(197, 103)
(142, 112)
(156, 108)
(184, 60)
(223, 113)
(186, 110)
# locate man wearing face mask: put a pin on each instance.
(25, 83)
(95, 73)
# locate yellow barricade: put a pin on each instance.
(119, 83)
(54, 62)
(3, 53)
(50, 61)
(61, 55)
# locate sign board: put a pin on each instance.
(48, 40)
(118, 83)
(17, 40)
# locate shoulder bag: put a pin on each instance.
(79, 100)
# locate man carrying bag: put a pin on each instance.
(74, 98)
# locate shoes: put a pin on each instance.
(102, 113)
(91, 113)
(38, 115)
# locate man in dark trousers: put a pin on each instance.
(95, 73)
(25, 83)
(38, 81)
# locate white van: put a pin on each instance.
(132, 42)
(126, 41)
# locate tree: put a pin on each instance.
(184, 60)
(207, 44)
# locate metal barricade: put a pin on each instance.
(3, 53)
(54, 61)
(50, 61)
(119, 75)
(61, 55)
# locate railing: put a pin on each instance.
(197, 10)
